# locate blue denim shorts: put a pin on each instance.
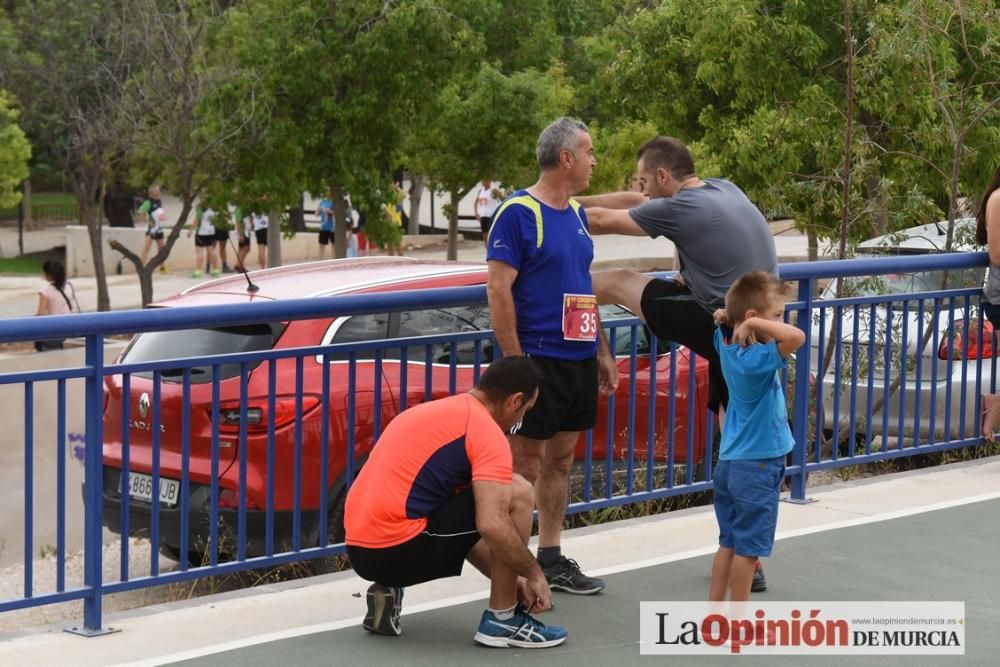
(746, 504)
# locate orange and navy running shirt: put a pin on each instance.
(426, 455)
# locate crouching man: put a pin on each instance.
(438, 490)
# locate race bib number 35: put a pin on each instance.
(580, 320)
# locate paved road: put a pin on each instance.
(927, 556)
(926, 535)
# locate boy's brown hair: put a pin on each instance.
(752, 291)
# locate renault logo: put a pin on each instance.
(144, 404)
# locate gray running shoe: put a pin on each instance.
(384, 604)
(565, 575)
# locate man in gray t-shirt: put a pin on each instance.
(719, 234)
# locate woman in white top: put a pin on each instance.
(55, 298)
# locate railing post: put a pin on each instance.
(93, 548)
(800, 417)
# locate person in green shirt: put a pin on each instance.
(154, 216)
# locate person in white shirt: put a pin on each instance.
(487, 201)
(54, 298)
(204, 242)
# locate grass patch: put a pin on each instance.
(52, 199)
(22, 265)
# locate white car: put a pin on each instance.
(930, 345)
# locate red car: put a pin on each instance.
(376, 400)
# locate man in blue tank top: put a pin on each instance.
(542, 304)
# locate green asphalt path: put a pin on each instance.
(949, 554)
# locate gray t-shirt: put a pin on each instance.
(719, 234)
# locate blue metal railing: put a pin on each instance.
(257, 467)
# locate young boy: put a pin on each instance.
(755, 437)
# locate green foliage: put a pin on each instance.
(14, 154)
(325, 96)
(487, 127)
(339, 83)
(616, 153)
(758, 89)
(24, 265)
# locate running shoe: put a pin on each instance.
(384, 604)
(521, 631)
(565, 575)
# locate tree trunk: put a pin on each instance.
(274, 239)
(88, 215)
(145, 273)
(845, 218)
(813, 241)
(297, 216)
(456, 196)
(416, 195)
(340, 224)
(879, 203)
(26, 202)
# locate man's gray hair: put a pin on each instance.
(560, 135)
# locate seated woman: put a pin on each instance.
(54, 298)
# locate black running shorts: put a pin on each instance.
(567, 398)
(671, 311)
(438, 552)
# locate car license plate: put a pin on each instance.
(141, 487)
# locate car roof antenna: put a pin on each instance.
(251, 288)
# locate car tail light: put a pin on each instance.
(964, 341)
(258, 416)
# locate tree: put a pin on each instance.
(348, 77)
(65, 69)
(14, 154)
(944, 131)
(189, 117)
(486, 126)
(616, 149)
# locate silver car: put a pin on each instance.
(909, 366)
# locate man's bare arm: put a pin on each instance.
(499, 285)
(612, 221)
(495, 525)
(619, 200)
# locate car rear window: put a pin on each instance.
(160, 345)
(910, 282)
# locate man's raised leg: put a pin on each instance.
(620, 286)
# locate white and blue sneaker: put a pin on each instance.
(384, 605)
(522, 631)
